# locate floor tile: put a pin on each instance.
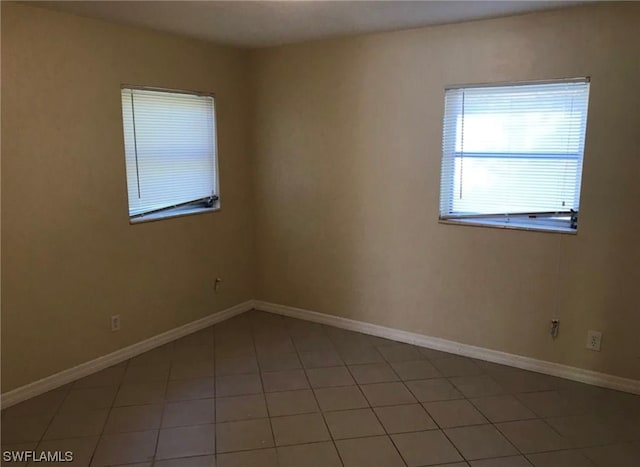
(400, 352)
(358, 355)
(258, 458)
(480, 442)
(67, 425)
(197, 461)
(187, 389)
(438, 389)
(89, 398)
(81, 447)
(511, 461)
(625, 425)
(274, 345)
(356, 423)
(405, 418)
(457, 366)
(426, 448)
(235, 349)
(550, 404)
(24, 429)
(133, 418)
(449, 414)
(140, 394)
(381, 394)
(364, 452)
(455, 464)
(301, 328)
(492, 368)
(373, 373)
(284, 380)
(380, 341)
(330, 377)
(192, 369)
(157, 372)
(525, 381)
(45, 405)
(198, 338)
(234, 408)
(477, 385)
(340, 398)
(185, 441)
(320, 359)
(533, 436)
(136, 464)
(111, 376)
(322, 454)
(125, 448)
(238, 385)
(236, 366)
(312, 343)
(234, 344)
(433, 354)
(279, 361)
(502, 408)
(418, 369)
(585, 430)
(291, 402)
(160, 354)
(347, 340)
(618, 455)
(193, 353)
(190, 412)
(299, 429)
(572, 458)
(243, 435)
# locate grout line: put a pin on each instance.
(215, 397)
(124, 373)
(55, 414)
(164, 403)
(321, 412)
(255, 350)
(441, 429)
(372, 409)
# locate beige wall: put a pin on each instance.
(348, 143)
(70, 259)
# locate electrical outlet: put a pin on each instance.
(216, 284)
(594, 339)
(555, 327)
(115, 323)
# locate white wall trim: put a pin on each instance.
(84, 369)
(56, 380)
(554, 369)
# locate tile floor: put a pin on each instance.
(264, 390)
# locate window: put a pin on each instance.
(170, 153)
(512, 154)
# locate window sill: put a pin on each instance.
(511, 225)
(178, 212)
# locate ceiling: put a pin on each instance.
(267, 23)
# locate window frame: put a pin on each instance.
(201, 206)
(532, 221)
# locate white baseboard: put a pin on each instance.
(480, 353)
(84, 369)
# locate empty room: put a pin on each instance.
(320, 233)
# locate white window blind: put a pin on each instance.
(513, 154)
(170, 149)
